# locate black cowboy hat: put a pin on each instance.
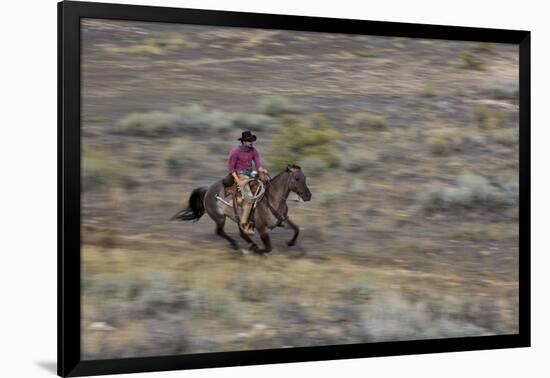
(247, 136)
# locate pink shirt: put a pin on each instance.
(240, 159)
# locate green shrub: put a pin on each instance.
(500, 119)
(357, 159)
(252, 287)
(152, 124)
(256, 122)
(438, 146)
(178, 155)
(195, 118)
(428, 91)
(510, 191)
(359, 290)
(482, 117)
(358, 186)
(191, 119)
(507, 137)
(391, 317)
(101, 169)
(502, 90)
(476, 235)
(93, 118)
(485, 47)
(331, 196)
(160, 292)
(445, 142)
(470, 190)
(150, 293)
(472, 62)
(313, 166)
(154, 46)
(276, 106)
(488, 120)
(205, 302)
(368, 120)
(297, 140)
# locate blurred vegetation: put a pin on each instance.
(501, 89)
(161, 45)
(487, 119)
(368, 120)
(357, 159)
(92, 118)
(178, 155)
(472, 62)
(100, 168)
(152, 124)
(506, 137)
(299, 139)
(429, 91)
(470, 190)
(313, 166)
(192, 119)
(445, 142)
(485, 47)
(159, 308)
(328, 197)
(277, 106)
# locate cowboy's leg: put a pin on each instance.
(239, 197)
(247, 206)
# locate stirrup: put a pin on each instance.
(247, 229)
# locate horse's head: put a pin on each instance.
(297, 182)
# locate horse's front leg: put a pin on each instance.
(296, 230)
(251, 245)
(264, 235)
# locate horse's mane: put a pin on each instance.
(286, 170)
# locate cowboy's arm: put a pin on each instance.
(258, 162)
(232, 166)
(237, 179)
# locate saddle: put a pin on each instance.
(232, 189)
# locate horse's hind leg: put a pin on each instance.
(296, 229)
(220, 223)
(252, 246)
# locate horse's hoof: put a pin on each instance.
(245, 251)
(290, 243)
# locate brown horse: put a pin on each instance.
(271, 210)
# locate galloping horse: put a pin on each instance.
(271, 210)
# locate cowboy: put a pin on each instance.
(239, 165)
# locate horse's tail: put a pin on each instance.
(195, 208)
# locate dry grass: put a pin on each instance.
(188, 300)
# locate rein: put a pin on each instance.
(280, 218)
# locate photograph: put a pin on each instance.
(250, 189)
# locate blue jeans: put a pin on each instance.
(245, 173)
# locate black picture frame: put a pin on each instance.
(69, 359)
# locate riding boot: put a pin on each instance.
(245, 225)
(247, 228)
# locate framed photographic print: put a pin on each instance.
(239, 188)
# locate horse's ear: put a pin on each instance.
(288, 167)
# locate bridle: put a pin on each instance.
(280, 218)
